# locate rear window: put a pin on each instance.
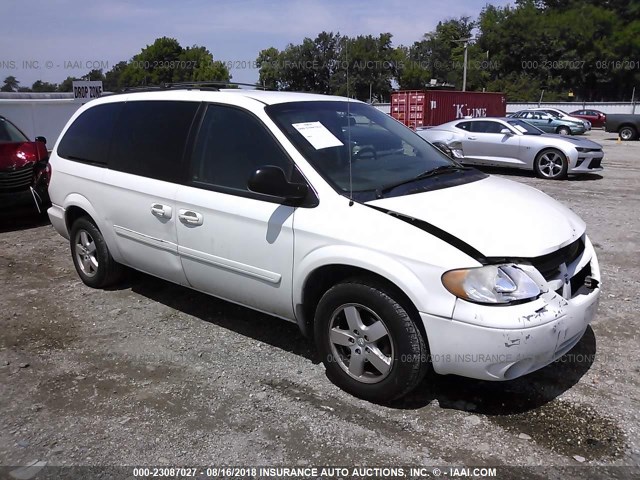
(150, 138)
(87, 139)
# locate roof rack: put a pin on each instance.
(214, 85)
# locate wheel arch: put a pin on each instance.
(547, 148)
(76, 206)
(314, 278)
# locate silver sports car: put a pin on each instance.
(510, 142)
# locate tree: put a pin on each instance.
(323, 64)
(371, 64)
(197, 65)
(268, 63)
(587, 47)
(439, 55)
(40, 86)
(114, 81)
(67, 84)
(165, 61)
(11, 84)
(94, 75)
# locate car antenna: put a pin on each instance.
(349, 126)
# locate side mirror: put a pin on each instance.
(506, 131)
(41, 139)
(550, 120)
(271, 180)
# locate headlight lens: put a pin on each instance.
(493, 284)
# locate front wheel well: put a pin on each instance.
(325, 277)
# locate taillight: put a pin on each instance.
(47, 172)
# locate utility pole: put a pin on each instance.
(465, 42)
(464, 68)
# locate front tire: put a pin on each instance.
(91, 257)
(370, 345)
(564, 131)
(551, 164)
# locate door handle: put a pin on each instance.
(472, 138)
(190, 217)
(161, 211)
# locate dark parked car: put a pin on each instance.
(24, 168)
(627, 126)
(596, 117)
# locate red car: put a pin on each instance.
(596, 117)
(24, 169)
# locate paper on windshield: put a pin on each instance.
(521, 128)
(317, 135)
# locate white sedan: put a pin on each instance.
(509, 142)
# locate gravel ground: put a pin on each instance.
(155, 374)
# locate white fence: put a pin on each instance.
(39, 114)
(606, 107)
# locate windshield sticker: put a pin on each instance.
(317, 135)
(521, 128)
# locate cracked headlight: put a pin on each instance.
(493, 284)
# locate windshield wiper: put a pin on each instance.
(429, 173)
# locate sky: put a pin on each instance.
(51, 40)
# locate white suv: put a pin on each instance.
(326, 212)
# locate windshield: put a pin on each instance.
(524, 127)
(10, 133)
(333, 134)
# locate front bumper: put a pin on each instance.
(506, 342)
(587, 163)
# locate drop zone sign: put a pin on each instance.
(84, 91)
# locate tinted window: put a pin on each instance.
(464, 126)
(87, 139)
(485, 126)
(150, 138)
(231, 145)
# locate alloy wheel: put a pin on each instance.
(361, 343)
(86, 253)
(551, 164)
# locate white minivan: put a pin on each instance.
(326, 212)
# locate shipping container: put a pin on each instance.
(422, 108)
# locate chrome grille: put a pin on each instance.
(19, 179)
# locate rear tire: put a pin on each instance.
(628, 133)
(91, 257)
(368, 342)
(551, 164)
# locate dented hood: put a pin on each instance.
(497, 217)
